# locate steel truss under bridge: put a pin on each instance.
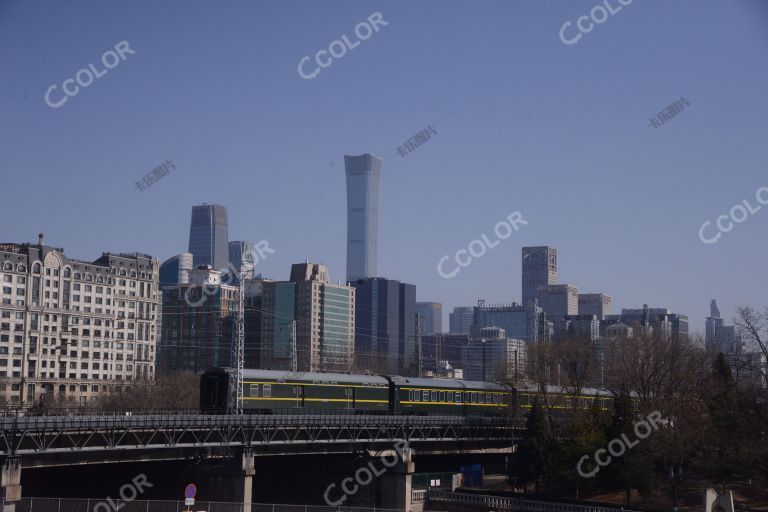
(58, 434)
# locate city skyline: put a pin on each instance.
(578, 160)
(445, 321)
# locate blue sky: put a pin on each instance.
(524, 123)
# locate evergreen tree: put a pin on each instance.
(724, 457)
(634, 469)
(537, 450)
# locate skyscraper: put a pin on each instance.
(539, 269)
(363, 179)
(658, 321)
(208, 236)
(431, 317)
(520, 322)
(598, 304)
(559, 300)
(175, 270)
(325, 321)
(460, 320)
(197, 323)
(380, 321)
(241, 255)
(721, 337)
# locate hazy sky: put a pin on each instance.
(524, 123)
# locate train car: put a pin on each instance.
(272, 392)
(560, 398)
(428, 397)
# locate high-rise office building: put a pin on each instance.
(278, 314)
(379, 316)
(325, 321)
(525, 323)
(208, 236)
(719, 336)
(559, 300)
(585, 327)
(598, 304)
(460, 320)
(363, 180)
(443, 348)
(495, 357)
(539, 269)
(70, 329)
(431, 317)
(241, 255)
(197, 323)
(175, 270)
(254, 295)
(407, 333)
(651, 321)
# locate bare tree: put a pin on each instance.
(542, 357)
(753, 327)
(172, 391)
(576, 358)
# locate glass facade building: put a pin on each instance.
(208, 236)
(525, 323)
(175, 270)
(363, 181)
(431, 317)
(379, 315)
(336, 316)
(324, 316)
(460, 320)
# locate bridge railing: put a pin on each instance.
(103, 505)
(280, 420)
(515, 503)
(31, 412)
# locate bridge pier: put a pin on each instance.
(10, 483)
(397, 484)
(249, 470)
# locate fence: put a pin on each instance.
(113, 505)
(515, 503)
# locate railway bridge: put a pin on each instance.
(66, 439)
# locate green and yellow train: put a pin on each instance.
(271, 392)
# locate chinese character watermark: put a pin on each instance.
(669, 112)
(416, 141)
(154, 175)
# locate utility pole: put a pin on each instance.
(237, 358)
(418, 343)
(294, 351)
